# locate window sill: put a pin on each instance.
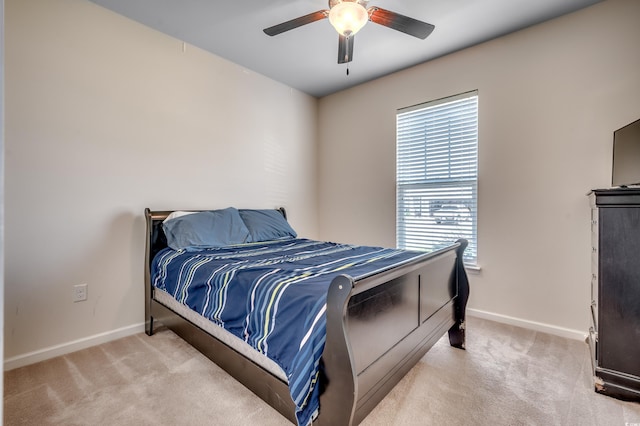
(474, 269)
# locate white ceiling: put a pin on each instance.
(306, 58)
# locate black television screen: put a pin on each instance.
(626, 155)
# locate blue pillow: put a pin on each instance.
(266, 225)
(201, 230)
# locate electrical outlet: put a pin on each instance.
(79, 292)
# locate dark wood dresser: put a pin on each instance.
(614, 337)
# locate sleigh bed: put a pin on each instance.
(356, 338)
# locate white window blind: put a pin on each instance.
(437, 174)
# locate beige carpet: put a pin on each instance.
(507, 376)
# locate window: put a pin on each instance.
(437, 174)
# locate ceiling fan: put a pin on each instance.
(348, 17)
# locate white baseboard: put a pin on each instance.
(531, 325)
(76, 345)
(87, 342)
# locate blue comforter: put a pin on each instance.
(273, 296)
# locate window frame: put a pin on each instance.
(437, 174)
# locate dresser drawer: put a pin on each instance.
(594, 227)
(592, 340)
(594, 291)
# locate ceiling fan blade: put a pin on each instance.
(345, 49)
(398, 22)
(297, 22)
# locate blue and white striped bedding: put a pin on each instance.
(273, 296)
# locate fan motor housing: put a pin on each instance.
(363, 3)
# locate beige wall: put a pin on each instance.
(105, 117)
(550, 97)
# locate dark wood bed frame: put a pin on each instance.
(378, 328)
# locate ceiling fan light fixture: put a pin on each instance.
(348, 17)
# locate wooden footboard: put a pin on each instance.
(378, 328)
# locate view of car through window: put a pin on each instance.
(438, 221)
(452, 214)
